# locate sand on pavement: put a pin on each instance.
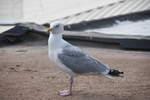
(26, 73)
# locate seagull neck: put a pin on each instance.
(55, 41)
(56, 36)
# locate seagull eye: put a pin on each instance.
(57, 26)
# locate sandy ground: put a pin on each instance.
(27, 74)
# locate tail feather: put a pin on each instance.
(114, 72)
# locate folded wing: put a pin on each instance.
(73, 58)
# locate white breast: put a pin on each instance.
(53, 50)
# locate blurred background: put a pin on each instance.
(92, 15)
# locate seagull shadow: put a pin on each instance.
(92, 96)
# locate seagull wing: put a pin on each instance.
(73, 58)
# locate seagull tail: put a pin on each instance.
(115, 73)
(112, 73)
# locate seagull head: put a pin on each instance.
(56, 28)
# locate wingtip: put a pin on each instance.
(117, 73)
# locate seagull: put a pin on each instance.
(72, 59)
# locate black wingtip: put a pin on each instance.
(114, 72)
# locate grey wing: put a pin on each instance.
(81, 63)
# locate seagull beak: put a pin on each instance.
(49, 30)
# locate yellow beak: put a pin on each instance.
(49, 30)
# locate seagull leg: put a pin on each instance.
(71, 83)
(67, 92)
